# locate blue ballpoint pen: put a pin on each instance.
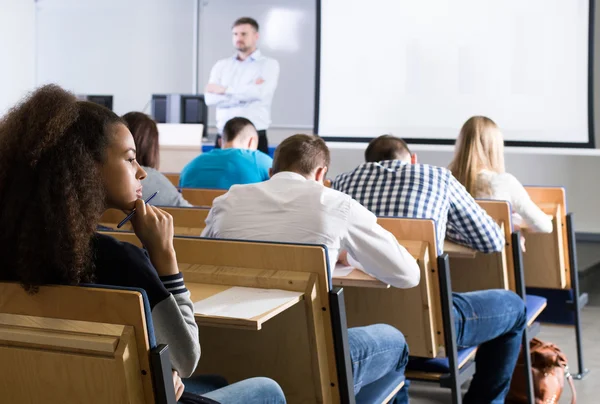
(129, 216)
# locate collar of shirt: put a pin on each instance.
(392, 163)
(288, 175)
(253, 56)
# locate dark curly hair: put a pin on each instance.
(51, 190)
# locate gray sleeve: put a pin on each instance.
(168, 194)
(174, 325)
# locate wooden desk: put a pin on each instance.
(458, 251)
(358, 278)
(473, 271)
(546, 257)
(200, 291)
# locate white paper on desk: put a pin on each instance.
(341, 270)
(240, 302)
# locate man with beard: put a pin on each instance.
(243, 84)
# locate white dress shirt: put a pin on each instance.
(506, 187)
(290, 208)
(243, 97)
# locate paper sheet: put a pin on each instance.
(246, 303)
(341, 270)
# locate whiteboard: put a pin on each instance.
(287, 34)
(428, 65)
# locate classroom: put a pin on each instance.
(299, 201)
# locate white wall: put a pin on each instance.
(17, 49)
(130, 49)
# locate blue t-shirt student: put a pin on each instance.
(222, 168)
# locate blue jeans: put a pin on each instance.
(494, 320)
(375, 351)
(257, 390)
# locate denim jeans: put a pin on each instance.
(494, 320)
(375, 351)
(257, 390)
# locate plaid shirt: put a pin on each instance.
(398, 189)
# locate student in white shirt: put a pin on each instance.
(478, 164)
(244, 84)
(295, 206)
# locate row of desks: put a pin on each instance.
(356, 278)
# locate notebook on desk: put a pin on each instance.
(244, 303)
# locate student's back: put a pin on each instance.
(479, 165)
(295, 207)
(390, 183)
(400, 189)
(222, 168)
(237, 163)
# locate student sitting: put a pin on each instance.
(62, 163)
(145, 134)
(294, 206)
(478, 164)
(389, 185)
(237, 162)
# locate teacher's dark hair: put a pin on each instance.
(51, 190)
(246, 20)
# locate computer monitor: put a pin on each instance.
(104, 100)
(159, 108)
(193, 109)
(180, 108)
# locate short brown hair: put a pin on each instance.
(145, 134)
(301, 154)
(234, 126)
(246, 20)
(386, 147)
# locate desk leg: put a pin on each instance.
(453, 380)
(342, 349)
(582, 371)
(520, 288)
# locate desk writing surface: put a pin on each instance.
(458, 251)
(524, 226)
(551, 209)
(188, 231)
(201, 291)
(360, 279)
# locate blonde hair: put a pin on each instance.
(479, 146)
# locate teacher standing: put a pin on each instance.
(243, 85)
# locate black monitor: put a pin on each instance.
(104, 100)
(193, 109)
(159, 108)
(180, 108)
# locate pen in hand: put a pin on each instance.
(129, 216)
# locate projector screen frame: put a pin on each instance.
(590, 144)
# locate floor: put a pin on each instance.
(564, 337)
